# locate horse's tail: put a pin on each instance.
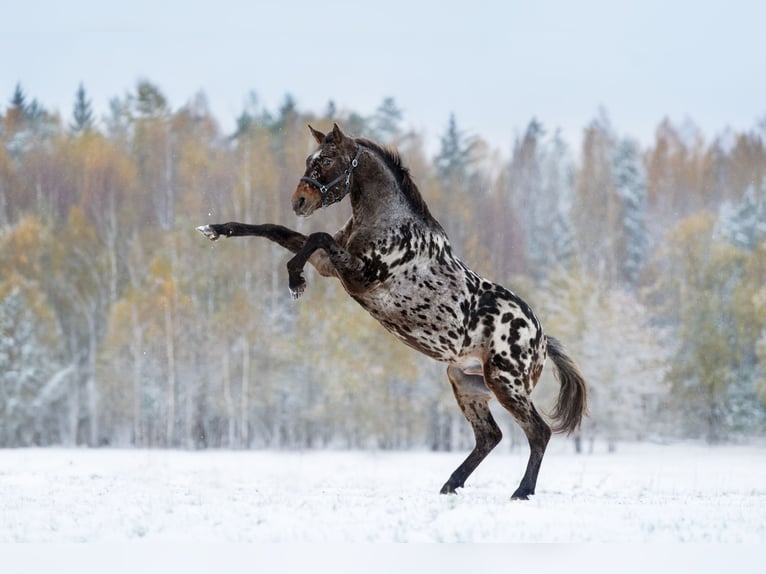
(572, 403)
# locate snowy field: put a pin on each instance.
(641, 493)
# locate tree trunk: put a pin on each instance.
(137, 350)
(111, 244)
(92, 385)
(244, 398)
(171, 360)
(169, 204)
(227, 397)
(74, 407)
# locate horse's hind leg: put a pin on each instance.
(473, 396)
(512, 395)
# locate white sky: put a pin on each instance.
(496, 64)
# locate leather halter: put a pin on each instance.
(324, 188)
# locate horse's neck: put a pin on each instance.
(376, 198)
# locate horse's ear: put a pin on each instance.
(337, 135)
(318, 136)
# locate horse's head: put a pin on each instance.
(328, 174)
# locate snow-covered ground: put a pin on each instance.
(641, 493)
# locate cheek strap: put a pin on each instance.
(324, 188)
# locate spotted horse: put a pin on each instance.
(395, 260)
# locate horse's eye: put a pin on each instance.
(327, 162)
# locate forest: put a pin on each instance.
(121, 326)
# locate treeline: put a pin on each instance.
(120, 325)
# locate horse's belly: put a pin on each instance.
(425, 323)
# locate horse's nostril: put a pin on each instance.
(301, 202)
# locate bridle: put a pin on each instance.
(324, 188)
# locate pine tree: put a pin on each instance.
(743, 224)
(611, 206)
(456, 154)
(288, 113)
(82, 114)
(330, 111)
(27, 362)
(15, 116)
(359, 125)
(26, 123)
(31, 112)
(630, 185)
(540, 182)
(247, 120)
(386, 121)
(149, 101)
(558, 174)
(525, 187)
(19, 99)
(596, 211)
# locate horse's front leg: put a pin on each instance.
(346, 266)
(287, 238)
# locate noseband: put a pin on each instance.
(325, 188)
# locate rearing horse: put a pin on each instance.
(395, 260)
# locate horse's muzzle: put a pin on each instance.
(306, 199)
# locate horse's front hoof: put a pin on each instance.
(208, 232)
(297, 287)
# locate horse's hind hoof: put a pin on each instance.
(451, 486)
(521, 494)
(448, 489)
(208, 232)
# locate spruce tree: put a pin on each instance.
(540, 179)
(82, 115)
(16, 113)
(455, 154)
(386, 120)
(630, 185)
(19, 100)
(743, 224)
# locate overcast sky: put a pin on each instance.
(494, 64)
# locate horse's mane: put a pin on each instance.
(404, 180)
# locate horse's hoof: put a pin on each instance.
(521, 495)
(448, 489)
(208, 232)
(297, 288)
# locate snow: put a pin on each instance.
(641, 493)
